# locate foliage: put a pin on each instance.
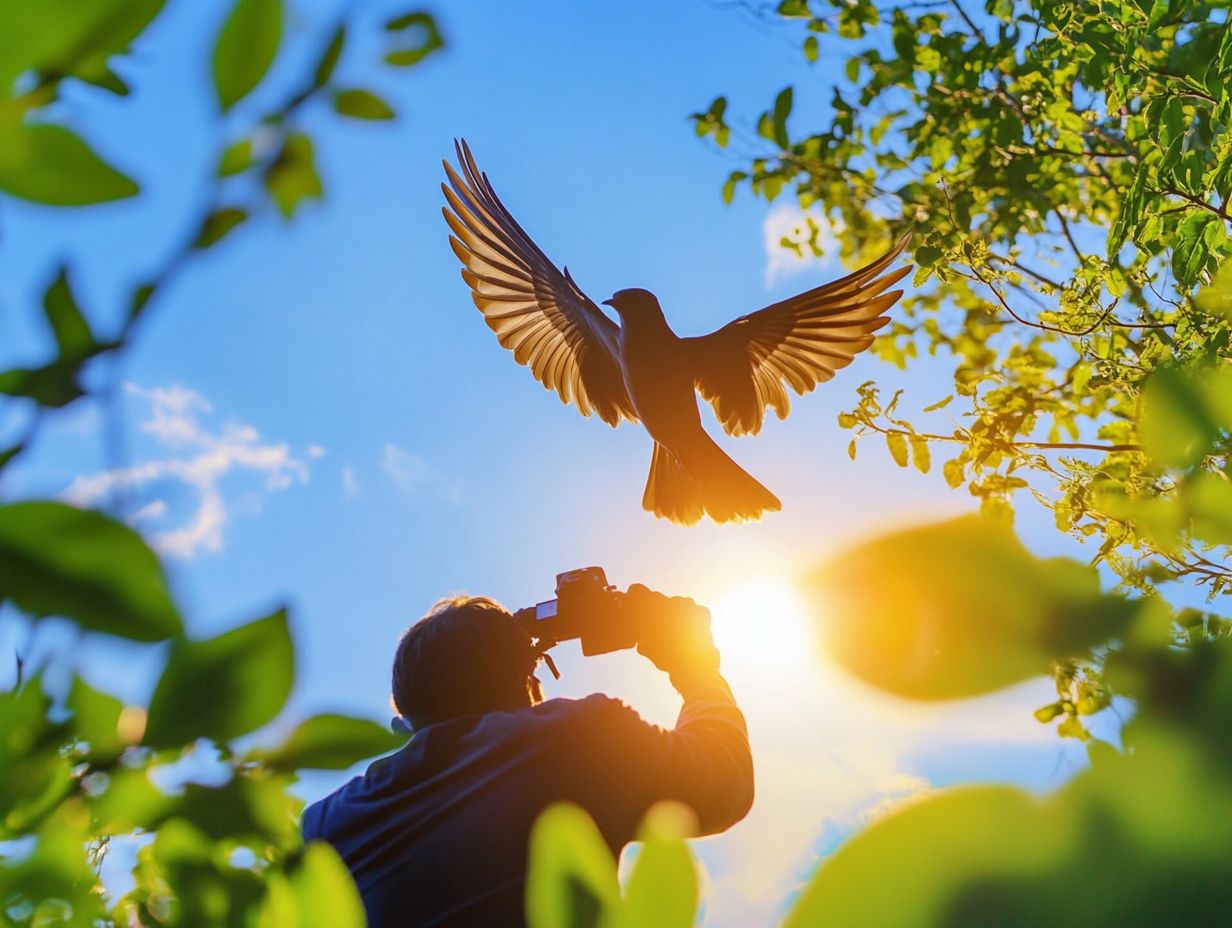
(80, 771)
(571, 881)
(1064, 170)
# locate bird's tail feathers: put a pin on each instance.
(705, 482)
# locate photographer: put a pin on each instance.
(436, 834)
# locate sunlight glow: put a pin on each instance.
(765, 625)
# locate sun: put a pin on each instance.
(765, 625)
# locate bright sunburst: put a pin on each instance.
(764, 624)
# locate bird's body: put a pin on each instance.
(655, 369)
(641, 370)
(689, 473)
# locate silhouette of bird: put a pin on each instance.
(641, 370)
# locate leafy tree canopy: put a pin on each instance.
(1064, 171)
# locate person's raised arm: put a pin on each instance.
(705, 760)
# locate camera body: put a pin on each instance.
(586, 607)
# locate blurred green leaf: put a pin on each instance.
(1209, 499)
(331, 742)
(236, 158)
(1137, 840)
(329, 59)
(418, 37)
(77, 40)
(223, 687)
(362, 104)
(52, 876)
(293, 178)
(662, 889)
(49, 164)
(782, 109)
(1217, 298)
(245, 808)
(325, 894)
(59, 560)
(571, 876)
(72, 332)
(959, 608)
(217, 224)
(33, 773)
(1183, 410)
(53, 384)
(246, 47)
(96, 718)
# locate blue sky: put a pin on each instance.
(326, 421)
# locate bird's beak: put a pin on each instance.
(611, 303)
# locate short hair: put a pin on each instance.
(466, 656)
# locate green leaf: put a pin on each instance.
(236, 158)
(72, 332)
(1046, 714)
(410, 27)
(59, 560)
(96, 718)
(331, 742)
(217, 224)
(325, 894)
(1191, 252)
(1131, 210)
(223, 687)
(898, 447)
(811, 50)
(1182, 412)
(52, 385)
(49, 164)
(34, 775)
(329, 59)
(293, 178)
(361, 104)
(571, 875)
(662, 889)
(933, 847)
(77, 40)
(964, 609)
(246, 47)
(782, 109)
(1209, 499)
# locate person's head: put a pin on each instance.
(467, 656)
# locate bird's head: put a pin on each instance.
(635, 304)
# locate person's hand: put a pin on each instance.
(674, 633)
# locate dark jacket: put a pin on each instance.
(436, 834)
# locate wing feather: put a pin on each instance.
(746, 366)
(536, 311)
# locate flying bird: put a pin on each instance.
(641, 370)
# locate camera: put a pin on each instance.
(586, 607)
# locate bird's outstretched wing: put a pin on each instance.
(536, 311)
(747, 365)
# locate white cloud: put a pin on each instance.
(413, 475)
(350, 483)
(198, 456)
(316, 451)
(786, 221)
